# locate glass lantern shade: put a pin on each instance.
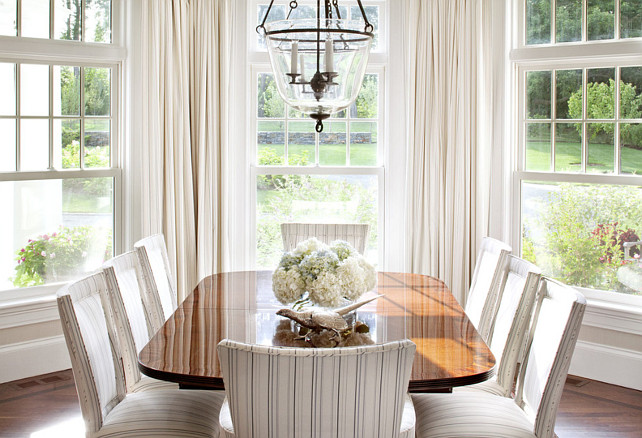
(318, 64)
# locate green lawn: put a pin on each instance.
(568, 158)
(362, 154)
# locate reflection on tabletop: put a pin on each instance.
(290, 334)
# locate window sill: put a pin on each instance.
(24, 306)
(613, 311)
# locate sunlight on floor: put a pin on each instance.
(67, 429)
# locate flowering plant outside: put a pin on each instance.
(327, 273)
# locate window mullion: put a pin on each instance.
(553, 21)
(584, 119)
(81, 111)
(52, 18)
(51, 120)
(616, 31)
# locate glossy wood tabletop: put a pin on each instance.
(241, 306)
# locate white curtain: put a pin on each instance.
(181, 132)
(447, 160)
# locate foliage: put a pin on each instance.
(574, 237)
(95, 157)
(269, 157)
(366, 103)
(270, 103)
(56, 256)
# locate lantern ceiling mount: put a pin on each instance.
(318, 63)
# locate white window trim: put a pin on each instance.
(84, 54)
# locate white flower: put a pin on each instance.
(308, 246)
(288, 285)
(326, 290)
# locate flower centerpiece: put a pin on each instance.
(328, 274)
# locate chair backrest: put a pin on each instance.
(152, 252)
(133, 323)
(514, 309)
(355, 234)
(552, 338)
(316, 392)
(490, 265)
(93, 348)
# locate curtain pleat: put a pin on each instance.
(446, 180)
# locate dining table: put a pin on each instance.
(241, 306)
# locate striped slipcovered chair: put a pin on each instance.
(531, 414)
(317, 392)
(152, 254)
(355, 234)
(106, 408)
(490, 266)
(507, 338)
(135, 318)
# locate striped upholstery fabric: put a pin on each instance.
(490, 266)
(152, 254)
(133, 324)
(324, 392)
(354, 234)
(86, 319)
(508, 338)
(551, 341)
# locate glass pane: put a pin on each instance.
(601, 19)
(576, 233)
(631, 148)
(66, 93)
(270, 103)
(7, 89)
(568, 147)
(97, 91)
(278, 12)
(8, 17)
(34, 90)
(317, 199)
(332, 144)
(372, 13)
(66, 144)
(538, 146)
(7, 145)
(568, 94)
(538, 94)
(34, 144)
(301, 143)
(294, 114)
(271, 143)
(568, 20)
(631, 92)
(67, 15)
(35, 18)
(601, 93)
(54, 230)
(98, 21)
(363, 143)
(366, 105)
(630, 18)
(97, 140)
(601, 148)
(538, 21)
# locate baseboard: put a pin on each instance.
(617, 366)
(32, 358)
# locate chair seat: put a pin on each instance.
(150, 384)
(174, 413)
(469, 414)
(488, 387)
(407, 421)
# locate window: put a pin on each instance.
(303, 176)
(59, 140)
(579, 173)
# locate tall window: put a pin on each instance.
(580, 132)
(58, 140)
(303, 176)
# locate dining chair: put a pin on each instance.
(107, 410)
(490, 265)
(512, 315)
(551, 341)
(316, 392)
(152, 253)
(135, 319)
(354, 234)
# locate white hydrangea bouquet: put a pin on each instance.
(327, 273)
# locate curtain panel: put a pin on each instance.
(184, 68)
(448, 109)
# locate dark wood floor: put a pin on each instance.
(47, 406)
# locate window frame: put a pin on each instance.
(48, 51)
(583, 54)
(258, 62)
